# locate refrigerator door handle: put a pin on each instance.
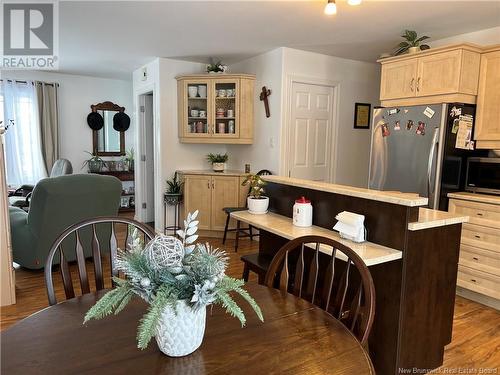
(430, 163)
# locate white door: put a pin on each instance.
(311, 129)
(150, 155)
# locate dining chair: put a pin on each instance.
(345, 288)
(240, 232)
(95, 226)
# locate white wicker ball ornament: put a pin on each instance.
(164, 251)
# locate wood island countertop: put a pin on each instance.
(403, 199)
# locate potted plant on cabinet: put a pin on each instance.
(217, 161)
(412, 43)
(174, 190)
(95, 163)
(257, 203)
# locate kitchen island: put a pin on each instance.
(413, 262)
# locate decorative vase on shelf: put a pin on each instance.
(413, 50)
(180, 332)
(218, 167)
(95, 166)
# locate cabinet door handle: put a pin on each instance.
(418, 84)
(479, 214)
(208, 184)
(411, 84)
(475, 258)
(213, 184)
(473, 280)
(477, 236)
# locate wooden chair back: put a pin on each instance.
(343, 287)
(75, 230)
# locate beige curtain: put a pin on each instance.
(48, 109)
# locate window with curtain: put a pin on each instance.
(23, 147)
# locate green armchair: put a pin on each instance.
(57, 203)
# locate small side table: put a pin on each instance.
(175, 201)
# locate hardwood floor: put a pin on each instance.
(476, 330)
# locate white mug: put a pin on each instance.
(203, 113)
(194, 113)
(222, 93)
(230, 113)
(192, 91)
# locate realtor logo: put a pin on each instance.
(29, 35)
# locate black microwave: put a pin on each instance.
(483, 175)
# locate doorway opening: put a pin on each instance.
(147, 157)
(311, 130)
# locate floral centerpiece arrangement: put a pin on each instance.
(217, 67)
(178, 279)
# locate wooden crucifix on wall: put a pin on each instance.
(263, 96)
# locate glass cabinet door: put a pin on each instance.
(226, 109)
(197, 108)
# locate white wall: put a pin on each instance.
(264, 153)
(482, 37)
(76, 94)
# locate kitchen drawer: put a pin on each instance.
(479, 213)
(479, 259)
(478, 236)
(478, 281)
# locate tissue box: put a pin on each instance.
(351, 226)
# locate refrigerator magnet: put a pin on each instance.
(385, 130)
(406, 110)
(454, 128)
(393, 111)
(397, 125)
(420, 128)
(455, 112)
(409, 125)
(429, 112)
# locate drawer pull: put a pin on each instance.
(477, 236)
(473, 280)
(479, 214)
(475, 258)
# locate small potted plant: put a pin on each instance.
(129, 159)
(256, 202)
(217, 161)
(94, 164)
(412, 43)
(174, 190)
(217, 67)
(178, 279)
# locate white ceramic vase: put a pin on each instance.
(192, 91)
(180, 334)
(218, 167)
(258, 206)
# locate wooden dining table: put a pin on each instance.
(296, 337)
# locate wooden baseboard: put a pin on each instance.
(477, 297)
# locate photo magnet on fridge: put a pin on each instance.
(385, 130)
(397, 125)
(420, 128)
(409, 125)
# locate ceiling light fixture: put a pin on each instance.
(330, 8)
(354, 2)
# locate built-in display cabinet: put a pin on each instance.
(216, 108)
(438, 75)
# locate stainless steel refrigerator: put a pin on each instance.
(413, 150)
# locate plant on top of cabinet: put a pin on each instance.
(257, 203)
(174, 190)
(217, 161)
(217, 67)
(412, 43)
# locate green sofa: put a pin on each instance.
(57, 203)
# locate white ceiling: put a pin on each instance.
(112, 38)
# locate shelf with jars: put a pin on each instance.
(216, 108)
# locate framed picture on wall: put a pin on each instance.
(362, 115)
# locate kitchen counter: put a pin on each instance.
(210, 172)
(428, 218)
(403, 199)
(282, 226)
(476, 197)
